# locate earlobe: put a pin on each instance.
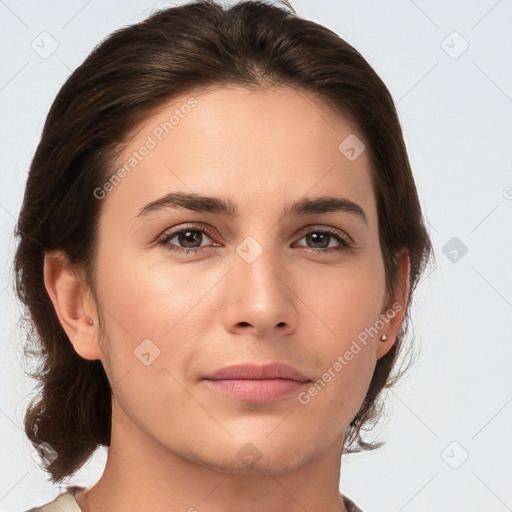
(72, 303)
(394, 310)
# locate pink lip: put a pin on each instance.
(257, 383)
(254, 371)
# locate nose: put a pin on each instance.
(259, 294)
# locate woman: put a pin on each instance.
(219, 243)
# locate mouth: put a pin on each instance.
(255, 383)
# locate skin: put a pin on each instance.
(175, 442)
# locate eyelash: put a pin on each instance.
(345, 242)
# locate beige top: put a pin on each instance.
(65, 502)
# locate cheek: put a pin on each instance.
(344, 307)
(336, 395)
(149, 300)
(343, 302)
(148, 335)
(153, 314)
(177, 307)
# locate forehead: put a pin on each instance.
(265, 148)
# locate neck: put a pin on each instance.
(142, 475)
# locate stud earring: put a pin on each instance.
(384, 337)
(89, 320)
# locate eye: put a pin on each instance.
(189, 237)
(322, 238)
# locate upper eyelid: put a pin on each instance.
(172, 232)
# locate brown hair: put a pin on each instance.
(124, 79)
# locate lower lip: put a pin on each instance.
(257, 390)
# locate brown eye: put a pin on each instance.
(322, 239)
(188, 240)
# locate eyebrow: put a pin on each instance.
(202, 203)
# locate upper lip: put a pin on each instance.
(254, 371)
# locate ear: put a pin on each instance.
(393, 313)
(73, 303)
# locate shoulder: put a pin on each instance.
(350, 505)
(64, 502)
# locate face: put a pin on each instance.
(186, 292)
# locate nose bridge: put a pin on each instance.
(259, 263)
(261, 294)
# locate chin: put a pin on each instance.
(253, 457)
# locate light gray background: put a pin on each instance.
(456, 114)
